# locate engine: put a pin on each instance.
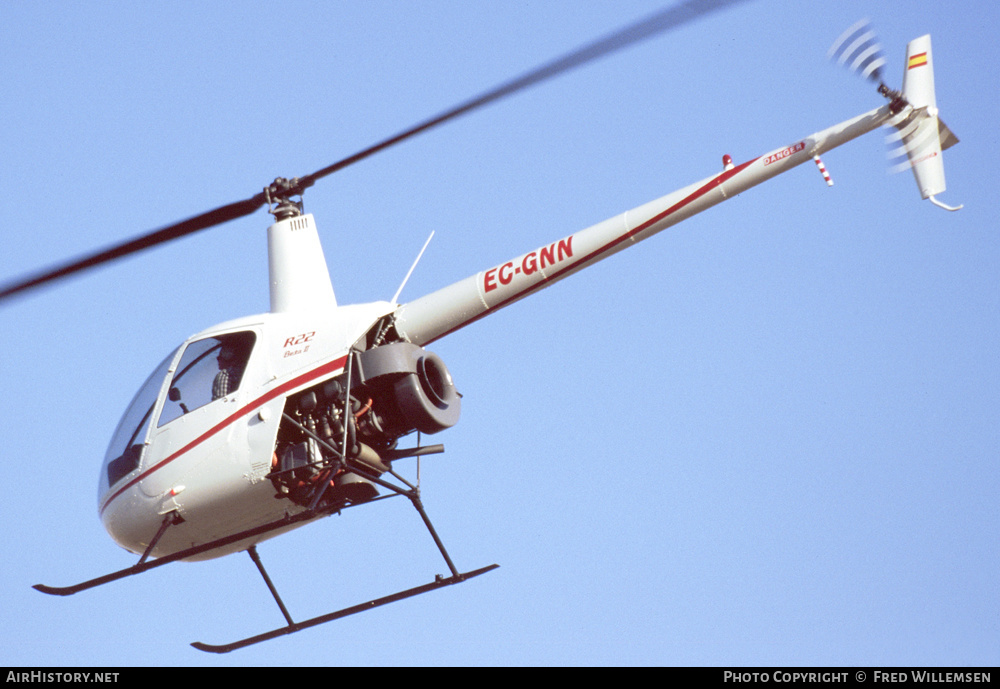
(340, 433)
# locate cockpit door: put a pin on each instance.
(197, 421)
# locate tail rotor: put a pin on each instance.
(859, 50)
(918, 135)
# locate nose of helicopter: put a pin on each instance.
(130, 520)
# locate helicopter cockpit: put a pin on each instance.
(209, 369)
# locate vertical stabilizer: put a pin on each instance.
(300, 279)
(918, 77)
(921, 136)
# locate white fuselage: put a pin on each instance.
(210, 464)
(209, 461)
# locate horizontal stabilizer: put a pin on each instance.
(945, 135)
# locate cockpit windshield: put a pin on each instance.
(209, 369)
(125, 450)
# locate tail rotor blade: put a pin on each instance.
(859, 50)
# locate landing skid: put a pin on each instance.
(411, 492)
(143, 565)
(293, 627)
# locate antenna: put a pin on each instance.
(415, 262)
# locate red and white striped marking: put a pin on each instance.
(822, 169)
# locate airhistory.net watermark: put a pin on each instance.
(31, 676)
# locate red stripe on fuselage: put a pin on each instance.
(696, 194)
(331, 367)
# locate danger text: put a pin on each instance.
(784, 153)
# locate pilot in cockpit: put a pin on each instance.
(231, 366)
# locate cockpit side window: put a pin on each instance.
(208, 370)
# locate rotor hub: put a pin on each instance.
(279, 195)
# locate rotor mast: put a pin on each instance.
(299, 278)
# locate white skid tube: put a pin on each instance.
(430, 317)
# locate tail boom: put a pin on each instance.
(437, 314)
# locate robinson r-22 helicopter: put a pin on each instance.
(262, 424)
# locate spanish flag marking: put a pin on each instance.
(917, 60)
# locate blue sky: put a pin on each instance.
(767, 436)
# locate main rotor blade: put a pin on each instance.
(176, 231)
(658, 23)
(653, 25)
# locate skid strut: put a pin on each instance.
(292, 626)
(143, 565)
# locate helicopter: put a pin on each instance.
(317, 403)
